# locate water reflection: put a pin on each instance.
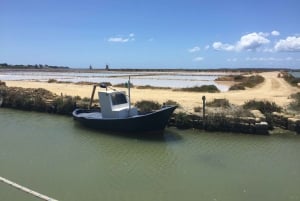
(167, 136)
(59, 158)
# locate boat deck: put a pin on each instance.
(91, 115)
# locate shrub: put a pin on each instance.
(263, 106)
(237, 87)
(250, 82)
(77, 98)
(197, 109)
(182, 121)
(86, 99)
(52, 81)
(64, 105)
(290, 79)
(238, 78)
(39, 104)
(253, 80)
(222, 102)
(216, 122)
(145, 106)
(151, 87)
(295, 104)
(3, 91)
(2, 84)
(171, 102)
(203, 88)
(123, 85)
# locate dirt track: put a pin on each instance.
(272, 89)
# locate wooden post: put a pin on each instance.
(92, 97)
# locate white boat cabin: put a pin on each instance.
(115, 104)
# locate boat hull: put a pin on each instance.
(152, 122)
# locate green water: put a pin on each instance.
(54, 156)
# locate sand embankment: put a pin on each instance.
(272, 89)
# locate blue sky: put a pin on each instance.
(151, 34)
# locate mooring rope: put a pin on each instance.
(27, 190)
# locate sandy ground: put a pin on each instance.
(273, 89)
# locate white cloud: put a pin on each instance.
(194, 49)
(268, 50)
(264, 34)
(207, 47)
(220, 46)
(252, 41)
(199, 59)
(122, 39)
(118, 40)
(268, 59)
(275, 33)
(232, 59)
(290, 44)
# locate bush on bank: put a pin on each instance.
(249, 82)
(203, 88)
(295, 104)
(145, 106)
(263, 106)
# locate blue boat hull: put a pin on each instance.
(151, 122)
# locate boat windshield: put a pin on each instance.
(118, 98)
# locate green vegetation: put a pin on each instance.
(2, 84)
(237, 87)
(64, 105)
(123, 85)
(197, 109)
(238, 78)
(52, 81)
(265, 107)
(203, 88)
(56, 81)
(222, 102)
(36, 66)
(145, 106)
(151, 87)
(172, 102)
(295, 105)
(183, 121)
(216, 122)
(253, 80)
(291, 79)
(244, 82)
(25, 99)
(87, 83)
(40, 100)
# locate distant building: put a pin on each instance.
(106, 67)
(91, 67)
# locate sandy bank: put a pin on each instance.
(273, 89)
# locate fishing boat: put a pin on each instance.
(118, 115)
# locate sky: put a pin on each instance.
(195, 34)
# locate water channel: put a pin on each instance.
(53, 155)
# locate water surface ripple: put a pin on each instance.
(54, 156)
